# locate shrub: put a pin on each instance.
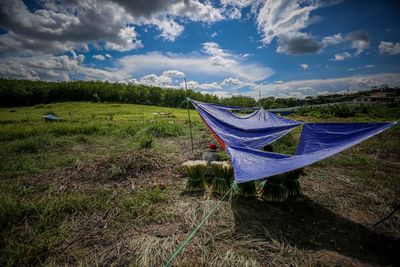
(31, 145)
(145, 141)
(163, 128)
(116, 172)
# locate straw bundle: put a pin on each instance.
(292, 183)
(195, 170)
(247, 189)
(280, 187)
(273, 189)
(223, 173)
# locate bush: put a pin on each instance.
(31, 145)
(145, 141)
(163, 128)
(116, 172)
(60, 130)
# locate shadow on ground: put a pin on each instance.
(310, 226)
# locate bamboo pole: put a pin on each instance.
(188, 111)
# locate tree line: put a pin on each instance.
(27, 93)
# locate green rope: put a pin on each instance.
(186, 241)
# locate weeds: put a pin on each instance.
(163, 128)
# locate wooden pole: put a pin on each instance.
(188, 111)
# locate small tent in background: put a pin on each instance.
(50, 117)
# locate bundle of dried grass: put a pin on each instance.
(223, 174)
(273, 189)
(292, 183)
(247, 189)
(280, 187)
(195, 170)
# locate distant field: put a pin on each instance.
(104, 185)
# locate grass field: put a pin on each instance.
(104, 186)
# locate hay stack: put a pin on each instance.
(223, 174)
(195, 170)
(280, 187)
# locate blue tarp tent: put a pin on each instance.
(244, 136)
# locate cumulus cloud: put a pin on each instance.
(49, 67)
(341, 56)
(332, 40)
(283, 17)
(214, 62)
(359, 40)
(154, 80)
(230, 81)
(297, 43)
(304, 66)
(326, 86)
(173, 73)
(58, 27)
(99, 57)
(389, 48)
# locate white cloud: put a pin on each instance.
(389, 48)
(62, 26)
(170, 29)
(209, 86)
(173, 73)
(215, 63)
(222, 94)
(297, 95)
(230, 81)
(99, 57)
(214, 34)
(359, 40)
(49, 67)
(58, 28)
(370, 66)
(279, 82)
(326, 86)
(332, 40)
(341, 56)
(154, 80)
(190, 85)
(282, 17)
(304, 66)
(108, 56)
(127, 40)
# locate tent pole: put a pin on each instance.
(188, 112)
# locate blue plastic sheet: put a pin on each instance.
(317, 142)
(243, 136)
(255, 130)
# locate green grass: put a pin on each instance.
(31, 146)
(88, 190)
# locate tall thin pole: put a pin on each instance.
(188, 111)
(259, 97)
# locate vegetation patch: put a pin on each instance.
(135, 164)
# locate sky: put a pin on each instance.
(280, 48)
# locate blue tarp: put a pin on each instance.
(50, 117)
(255, 130)
(243, 136)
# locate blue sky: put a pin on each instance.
(283, 48)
